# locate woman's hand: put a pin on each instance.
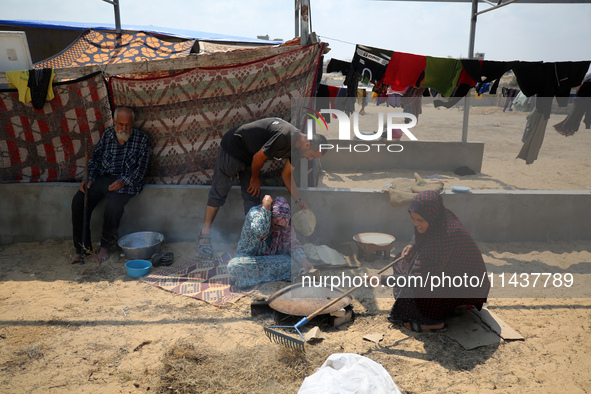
(375, 279)
(406, 251)
(268, 202)
(306, 265)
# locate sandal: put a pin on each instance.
(395, 320)
(204, 249)
(163, 259)
(416, 327)
(167, 259)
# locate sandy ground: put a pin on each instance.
(63, 331)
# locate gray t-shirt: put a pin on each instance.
(274, 135)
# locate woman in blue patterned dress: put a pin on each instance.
(267, 246)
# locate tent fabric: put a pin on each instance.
(186, 114)
(214, 47)
(47, 145)
(94, 47)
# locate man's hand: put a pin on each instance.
(258, 160)
(117, 185)
(302, 205)
(255, 186)
(82, 188)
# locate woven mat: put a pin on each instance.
(208, 281)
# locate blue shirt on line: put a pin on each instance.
(127, 162)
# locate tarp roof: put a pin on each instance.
(104, 48)
(181, 33)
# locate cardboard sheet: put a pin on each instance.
(497, 325)
(475, 328)
(469, 331)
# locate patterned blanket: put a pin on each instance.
(48, 144)
(186, 114)
(208, 281)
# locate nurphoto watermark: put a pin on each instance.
(390, 126)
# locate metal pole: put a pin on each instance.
(115, 4)
(305, 22)
(297, 18)
(117, 17)
(473, 29)
(474, 16)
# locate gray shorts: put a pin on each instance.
(227, 168)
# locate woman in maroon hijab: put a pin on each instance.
(441, 248)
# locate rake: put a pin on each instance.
(297, 343)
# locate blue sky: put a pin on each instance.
(546, 32)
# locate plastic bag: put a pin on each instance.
(344, 373)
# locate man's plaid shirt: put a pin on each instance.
(127, 162)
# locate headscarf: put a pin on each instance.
(283, 238)
(446, 247)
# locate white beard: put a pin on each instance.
(123, 136)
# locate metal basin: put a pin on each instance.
(141, 245)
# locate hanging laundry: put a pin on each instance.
(510, 94)
(482, 88)
(549, 80)
(20, 80)
(534, 134)
(40, 83)
(323, 100)
(464, 83)
(412, 101)
(343, 102)
(380, 88)
(333, 91)
(442, 74)
(487, 71)
(393, 98)
(34, 85)
(581, 107)
(404, 70)
(370, 62)
(336, 65)
(522, 103)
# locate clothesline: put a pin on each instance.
(454, 78)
